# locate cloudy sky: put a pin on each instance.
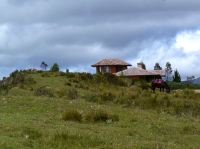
(77, 33)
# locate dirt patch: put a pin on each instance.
(197, 91)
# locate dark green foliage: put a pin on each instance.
(101, 116)
(72, 93)
(109, 78)
(68, 83)
(107, 96)
(55, 68)
(72, 115)
(44, 91)
(43, 65)
(180, 85)
(83, 76)
(157, 67)
(176, 77)
(143, 84)
(16, 78)
(46, 74)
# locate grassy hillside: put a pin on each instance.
(80, 111)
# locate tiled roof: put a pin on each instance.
(111, 62)
(134, 71)
(159, 72)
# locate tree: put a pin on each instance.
(168, 70)
(176, 77)
(55, 67)
(157, 67)
(44, 65)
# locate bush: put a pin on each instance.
(190, 130)
(83, 76)
(55, 68)
(67, 83)
(30, 133)
(72, 115)
(72, 93)
(109, 78)
(93, 97)
(107, 96)
(181, 85)
(44, 91)
(101, 116)
(16, 78)
(46, 74)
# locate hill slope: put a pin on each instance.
(56, 110)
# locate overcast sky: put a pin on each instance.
(77, 33)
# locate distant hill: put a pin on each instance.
(194, 81)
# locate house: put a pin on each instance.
(111, 66)
(140, 73)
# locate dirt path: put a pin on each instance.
(197, 91)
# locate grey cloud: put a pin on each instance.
(77, 33)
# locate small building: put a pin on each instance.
(139, 73)
(111, 66)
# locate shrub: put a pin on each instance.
(107, 96)
(30, 133)
(127, 98)
(55, 68)
(62, 73)
(92, 97)
(67, 140)
(46, 74)
(62, 92)
(16, 78)
(72, 93)
(109, 78)
(44, 91)
(72, 115)
(101, 116)
(67, 83)
(83, 76)
(190, 130)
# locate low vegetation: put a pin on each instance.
(41, 109)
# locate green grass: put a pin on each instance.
(144, 120)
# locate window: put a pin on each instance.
(120, 68)
(105, 69)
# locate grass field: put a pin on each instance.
(31, 115)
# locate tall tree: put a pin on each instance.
(177, 76)
(157, 67)
(55, 67)
(168, 70)
(44, 65)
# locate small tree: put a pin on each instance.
(157, 67)
(176, 77)
(55, 67)
(168, 70)
(43, 66)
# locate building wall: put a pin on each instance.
(146, 78)
(112, 69)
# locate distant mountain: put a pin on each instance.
(194, 81)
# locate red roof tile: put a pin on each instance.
(111, 62)
(140, 72)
